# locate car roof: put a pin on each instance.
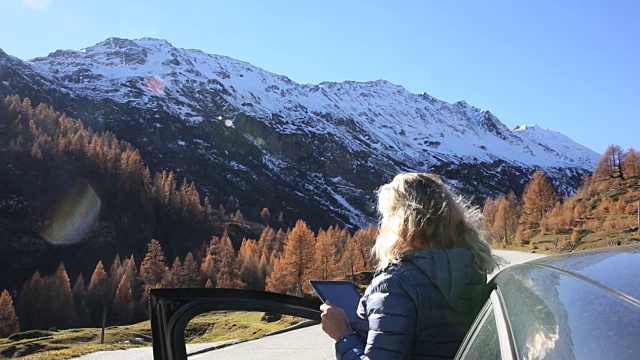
(578, 305)
(615, 269)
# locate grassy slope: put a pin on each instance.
(561, 243)
(209, 327)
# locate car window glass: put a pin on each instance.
(484, 344)
(229, 332)
(555, 316)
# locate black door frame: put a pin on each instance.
(172, 309)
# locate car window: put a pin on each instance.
(484, 342)
(226, 334)
(556, 315)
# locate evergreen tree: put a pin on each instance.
(9, 323)
(153, 268)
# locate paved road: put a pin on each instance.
(513, 258)
(309, 343)
(145, 353)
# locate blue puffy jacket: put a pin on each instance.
(420, 308)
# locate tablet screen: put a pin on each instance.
(342, 294)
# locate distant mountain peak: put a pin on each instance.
(526, 127)
(393, 118)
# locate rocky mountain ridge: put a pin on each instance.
(312, 151)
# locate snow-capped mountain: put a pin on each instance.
(305, 149)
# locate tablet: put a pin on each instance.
(342, 294)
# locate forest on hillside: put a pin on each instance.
(157, 230)
(277, 261)
(607, 202)
(163, 232)
(65, 189)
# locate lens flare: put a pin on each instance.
(228, 123)
(73, 216)
(155, 85)
(220, 117)
(37, 4)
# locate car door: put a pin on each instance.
(489, 337)
(172, 309)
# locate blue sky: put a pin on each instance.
(570, 66)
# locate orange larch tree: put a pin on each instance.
(99, 293)
(250, 271)
(326, 258)
(211, 263)
(610, 164)
(190, 277)
(123, 303)
(631, 166)
(351, 261)
(363, 243)
(61, 295)
(538, 198)
(153, 268)
(228, 275)
(31, 309)
(174, 275)
(267, 241)
(292, 267)
(9, 323)
(79, 301)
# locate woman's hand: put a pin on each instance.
(334, 321)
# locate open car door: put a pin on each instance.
(172, 309)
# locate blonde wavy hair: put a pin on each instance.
(418, 211)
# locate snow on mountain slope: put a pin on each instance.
(375, 116)
(561, 145)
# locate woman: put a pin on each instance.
(430, 281)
